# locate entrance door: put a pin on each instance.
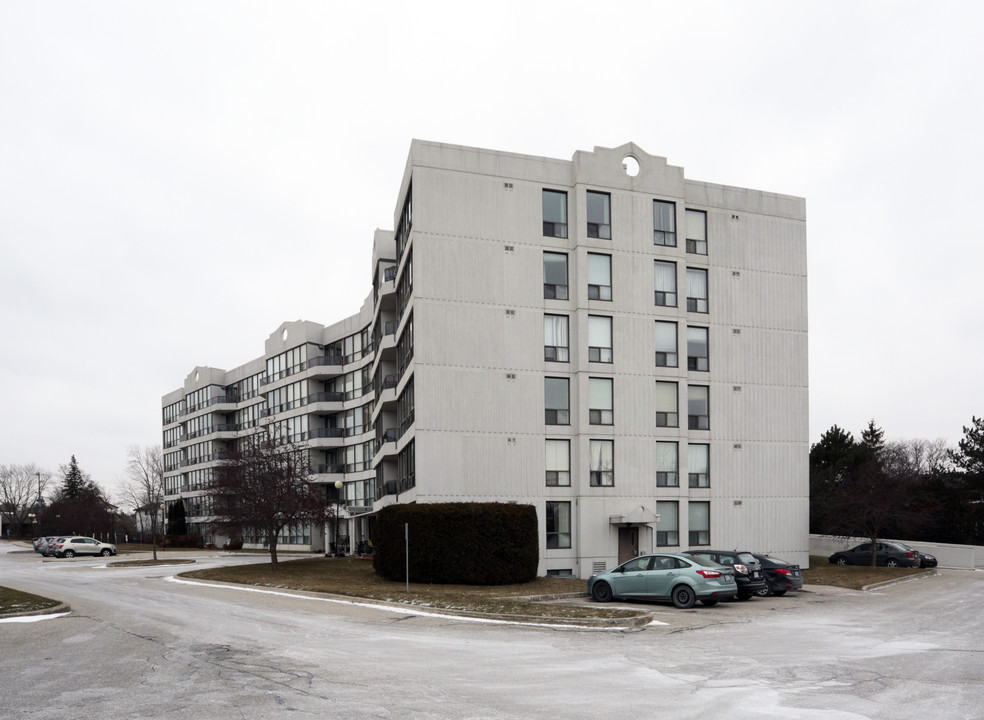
(628, 543)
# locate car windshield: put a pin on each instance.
(903, 546)
(747, 558)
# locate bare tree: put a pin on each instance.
(22, 489)
(263, 488)
(917, 457)
(144, 484)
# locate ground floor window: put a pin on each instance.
(558, 525)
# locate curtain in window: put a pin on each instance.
(699, 515)
(697, 400)
(666, 397)
(697, 342)
(602, 455)
(696, 225)
(666, 277)
(699, 460)
(555, 331)
(669, 513)
(664, 216)
(599, 331)
(558, 455)
(666, 337)
(666, 457)
(696, 283)
(600, 393)
(599, 269)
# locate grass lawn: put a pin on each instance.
(854, 577)
(355, 578)
(14, 601)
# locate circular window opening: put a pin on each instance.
(283, 336)
(630, 165)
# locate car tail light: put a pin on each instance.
(743, 569)
(912, 555)
(709, 573)
(782, 571)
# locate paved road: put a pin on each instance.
(139, 646)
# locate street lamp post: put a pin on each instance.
(338, 496)
(33, 519)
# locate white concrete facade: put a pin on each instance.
(459, 361)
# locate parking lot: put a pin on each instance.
(138, 645)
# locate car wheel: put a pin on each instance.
(69, 554)
(891, 562)
(601, 592)
(779, 593)
(764, 592)
(841, 561)
(683, 597)
(710, 602)
(106, 552)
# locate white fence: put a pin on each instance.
(952, 556)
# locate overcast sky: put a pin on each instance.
(178, 178)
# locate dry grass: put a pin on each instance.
(853, 577)
(14, 601)
(356, 578)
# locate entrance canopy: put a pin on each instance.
(641, 515)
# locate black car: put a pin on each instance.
(926, 560)
(748, 570)
(780, 576)
(886, 553)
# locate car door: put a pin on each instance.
(91, 547)
(630, 580)
(861, 555)
(663, 576)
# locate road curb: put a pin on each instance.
(56, 610)
(898, 581)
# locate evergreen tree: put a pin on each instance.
(176, 524)
(873, 441)
(75, 483)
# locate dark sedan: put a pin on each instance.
(748, 571)
(886, 553)
(780, 576)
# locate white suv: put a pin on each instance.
(69, 547)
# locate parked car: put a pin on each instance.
(44, 543)
(780, 576)
(671, 577)
(69, 547)
(886, 553)
(748, 570)
(926, 560)
(34, 542)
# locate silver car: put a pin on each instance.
(69, 547)
(680, 579)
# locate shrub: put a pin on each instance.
(458, 543)
(233, 544)
(184, 541)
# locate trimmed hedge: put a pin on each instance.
(458, 543)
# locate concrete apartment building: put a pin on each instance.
(621, 347)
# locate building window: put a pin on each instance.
(599, 215)
(699, 516)
(667, 465)
(554, 213)
(555, 276)
(697, 232)
(666, 404)
(557, 399)
(698, 413)
(668, 528)
(697, 348)
(666, 284)
(602, 459)
(666, 344)
(599, 339)
(599, 277)
(600, 401)
(555, 338)
(696, 290)
(699, 466)
(558, 525)
(558, 463)
(664, 223)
